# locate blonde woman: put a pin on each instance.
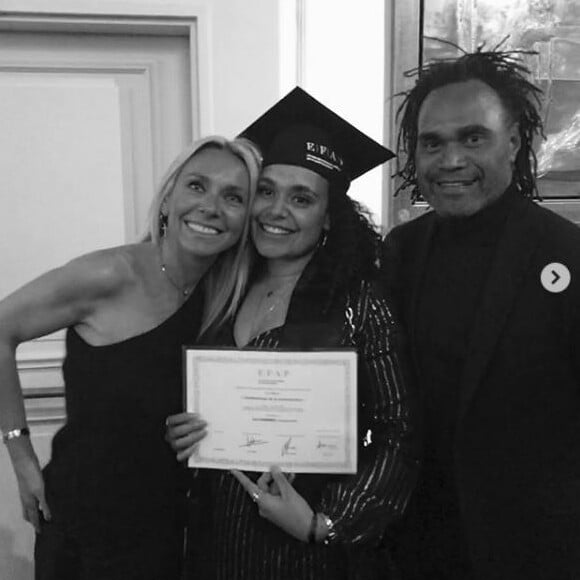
(109, 503)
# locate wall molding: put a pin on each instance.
(405, 46)
(39, 364)
(175, 17)
(300, 41)
(171, 8)
(292, 35)
(45, 411)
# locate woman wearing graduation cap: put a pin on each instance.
(313, 286)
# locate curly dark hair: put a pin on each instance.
(505, 73)
(352, 248)
(350, 252)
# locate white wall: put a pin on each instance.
(245, 50)
(335, 49)
(343, 65)
(242, 48)
(258, 50)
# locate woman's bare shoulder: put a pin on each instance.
(71, 294)
(111, 270)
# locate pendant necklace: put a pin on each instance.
(279, 296)
(271, 304)
(265, 307)
(185, 291)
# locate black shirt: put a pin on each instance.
(458, 263)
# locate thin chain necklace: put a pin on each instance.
(185, 291)
(271, 302)
(279, 296)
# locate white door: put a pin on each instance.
(88, 123)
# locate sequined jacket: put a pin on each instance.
(362, 505)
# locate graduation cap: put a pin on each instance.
(299, 130)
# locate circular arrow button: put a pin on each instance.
(555, 277)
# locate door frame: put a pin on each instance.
(405, 51)
(176, 17)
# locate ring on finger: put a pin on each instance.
(255, 496)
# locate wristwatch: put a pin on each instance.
(330, 527)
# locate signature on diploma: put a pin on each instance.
(287, 448)
(252, 441)
(322, 445)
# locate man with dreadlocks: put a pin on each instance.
(488, 285)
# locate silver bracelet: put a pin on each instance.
(14, 434)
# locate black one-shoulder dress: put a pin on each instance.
(113, 483)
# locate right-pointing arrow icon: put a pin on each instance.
(555, 277)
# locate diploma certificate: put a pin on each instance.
(296, 410)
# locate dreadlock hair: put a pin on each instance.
(505, 73)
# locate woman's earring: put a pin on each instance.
(163, 220)
(324, 238)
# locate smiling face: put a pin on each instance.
(289, 213)
(207, 206)
(466, 148)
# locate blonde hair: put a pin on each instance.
(226, 280)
